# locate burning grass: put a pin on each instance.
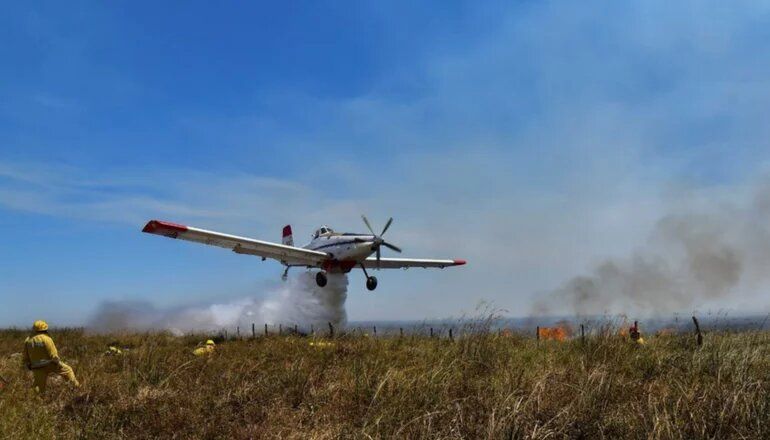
(559, 333)
(479, 386)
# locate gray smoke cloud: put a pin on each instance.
(299, 302)
(707, 247)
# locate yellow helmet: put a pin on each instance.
(210, 342)
(40, 326)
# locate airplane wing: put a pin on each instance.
(405, 263)
(241, 245)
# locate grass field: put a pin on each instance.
(478, 386)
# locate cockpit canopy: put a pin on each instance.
(323, 230)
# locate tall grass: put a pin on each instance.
(482, 385)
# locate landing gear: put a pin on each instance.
(285, 274)
(320, 279)
(371, 282)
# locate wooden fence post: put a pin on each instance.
(331, 330)
(295, 329)
(699, 337)
(238, 332)
(375, 330)
(280, 329)
(582, 334)
(265, 329)
(431, 332)
(253, 331)
(537, 333)
(450, 334)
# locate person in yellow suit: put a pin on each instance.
(206, 349)
(41, 357)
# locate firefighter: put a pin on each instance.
(41, 357)
(113, 351)
(635, 334)
(206, 349)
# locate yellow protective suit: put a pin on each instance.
(203, 351)
(113, 351)
(41, 357)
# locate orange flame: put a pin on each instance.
(553, 333)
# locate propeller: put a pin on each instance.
(378, 240)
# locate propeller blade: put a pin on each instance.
(366, 221)
(387, 225)
(392, 247)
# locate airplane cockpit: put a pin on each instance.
(323, 230)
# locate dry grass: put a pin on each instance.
(481, 386)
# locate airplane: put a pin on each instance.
(330, 251)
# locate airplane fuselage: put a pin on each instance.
(346, 250)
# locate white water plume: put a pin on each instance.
(299, 301)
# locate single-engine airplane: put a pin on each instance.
(332, 252)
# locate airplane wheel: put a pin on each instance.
(320, 279)
(371, 283)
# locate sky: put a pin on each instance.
(533, 139)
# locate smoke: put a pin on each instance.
(708, 247)
(299, 302)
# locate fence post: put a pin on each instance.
(312, 329)
(431, 332)
(582, 334)
(295, 329)
(225, 334)
(265, 329)
(253, 331)
(280, 329)
(238, 331)
(401, 332)
(331, 330)
(375, 330)
(450, 334)
(537, 333)
(699, 337)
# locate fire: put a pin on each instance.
(553, 333)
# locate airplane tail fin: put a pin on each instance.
(287, 239)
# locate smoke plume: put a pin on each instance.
(299, 302)
(704, 249)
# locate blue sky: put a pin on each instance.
(532, 138)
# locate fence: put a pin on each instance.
(444, 331)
